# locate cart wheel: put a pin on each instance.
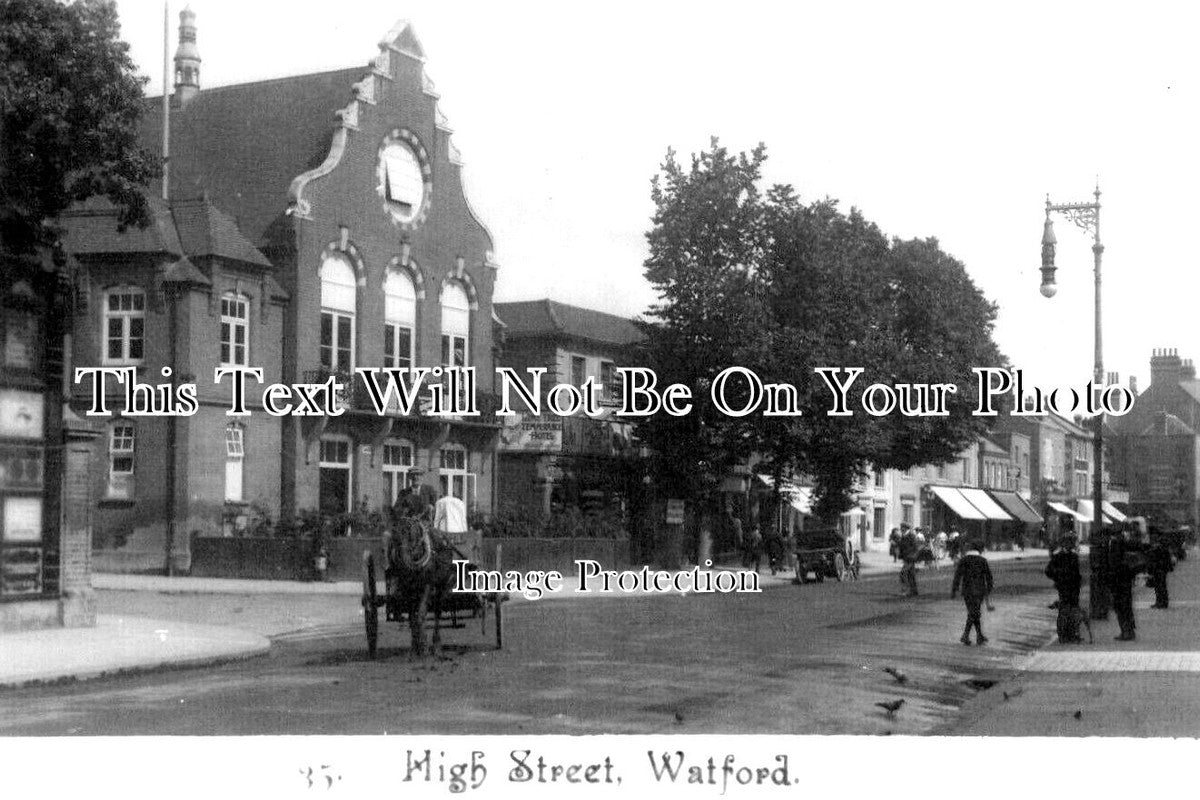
(499, 622)
(839, 567)
(370, 605)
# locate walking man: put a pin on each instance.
(909, 549)
(1158, 567)
(974, 576)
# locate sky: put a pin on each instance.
(949, 120)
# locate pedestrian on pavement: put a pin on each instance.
(909, 550)
(974, 576)
(1063, 569)
(1160, 563)
(1124, 559)
(894, 544)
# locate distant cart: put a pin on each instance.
(825, 553)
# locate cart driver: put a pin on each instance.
(411, 503)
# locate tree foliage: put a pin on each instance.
(69, 107)
(705, 245)
(783, 287)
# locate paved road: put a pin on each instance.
(794, 659)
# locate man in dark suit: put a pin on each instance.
(1125, 558)
(1160, 563)
(974, 576)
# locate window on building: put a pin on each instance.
(334, 494)
(399, 319)
(404, 185)
(456, 328)
(879, 478)
(338, 304)
(120, 460)
(578, 370)
(124, 326)
(966, 470)
(906, 512)
(608, 380)
(453, 475)
(235, 330)
(397, 466)
(235, 455)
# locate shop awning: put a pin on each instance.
(1061, 509)
(1085, 509)
(801, 499)
(798, 497)
(1112, 511)
(1014, 504)
(979, 498)
(956, 502)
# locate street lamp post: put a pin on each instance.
(1086, 216)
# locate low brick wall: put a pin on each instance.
(288, 559)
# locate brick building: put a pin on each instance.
(1154, 450)
(315, 224)
(547, 460)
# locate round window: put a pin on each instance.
(403, 178)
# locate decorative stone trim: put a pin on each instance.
(468, 284)
(350, 251)
(365, 89)
(413, 270)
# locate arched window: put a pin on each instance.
(338, 303)
(399, 319)
(235, 455)
(456, 325)
(235, 329)
(124, 325)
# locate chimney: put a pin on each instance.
(187, 59)
(1188, 373)
(1133, 385)
(1166, 368)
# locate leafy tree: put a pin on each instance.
(783, 288)
(69, 106)
(707, 240)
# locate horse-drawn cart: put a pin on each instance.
(419, 582)
(825, 554)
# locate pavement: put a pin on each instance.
(122, 643)
(1149, 687)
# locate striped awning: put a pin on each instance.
(1088, 511)
(986, 505)
(1061, 509)
(1014, 504)
(956, 502)
(1112, 511)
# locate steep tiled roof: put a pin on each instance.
(205, 231)
(1165, 424)
(548, 318)
(243, 144)
(91, 229)
(192, 228)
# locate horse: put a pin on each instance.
(420, 575)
